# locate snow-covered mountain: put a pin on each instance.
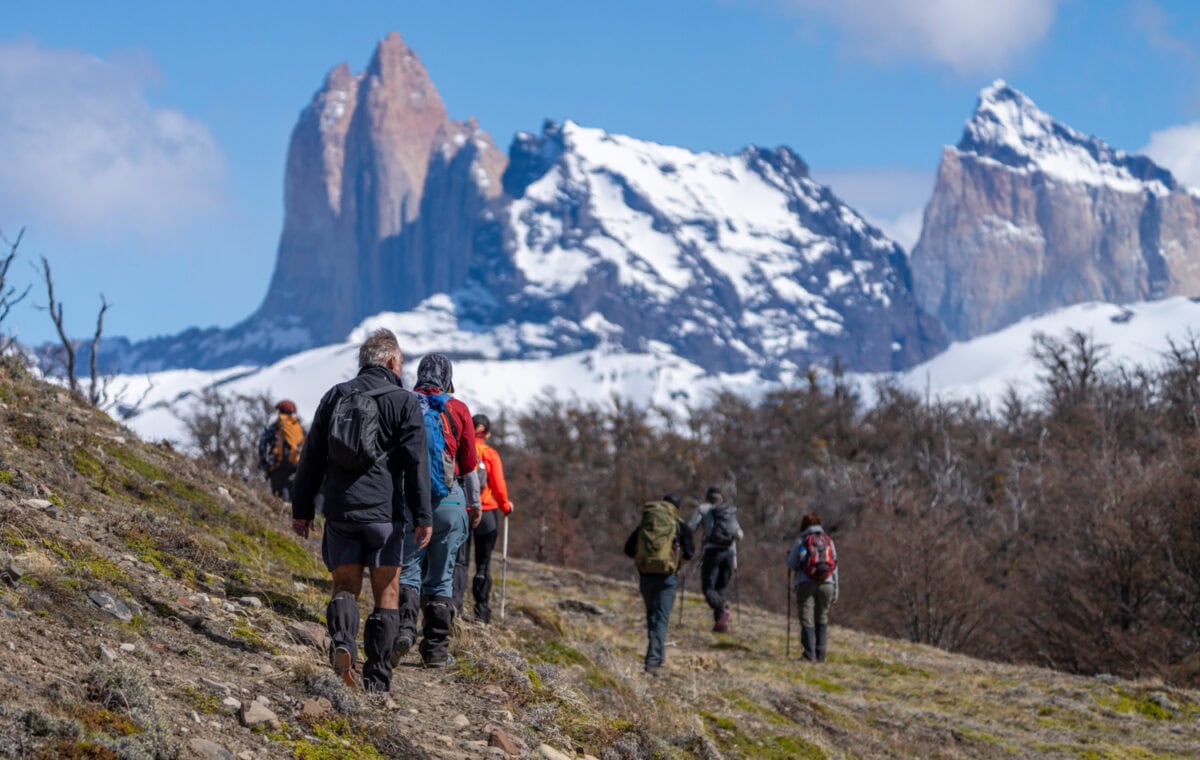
(578, 238)
(1029, 215)
(735, 262)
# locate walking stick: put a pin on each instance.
(682, 586)
(787, 648)
(504, 569)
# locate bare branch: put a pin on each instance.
(98, 390)
(8, 292)
(56, 315)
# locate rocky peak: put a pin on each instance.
(1030, 215)
(1008, 127)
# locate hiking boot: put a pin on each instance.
(822, 638)
(652, 671)
(403, 644)
(722, 624)
(450, 660)
(342, 660)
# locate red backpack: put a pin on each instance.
(820, 561)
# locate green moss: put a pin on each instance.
(86, 464)
(200, 702)
(94, 566)
(743, 702)
(133, 463)
(28, 440)
(558, 653)
(12, 539)
(338, 741)
(1122, 701)
(886, 666)
(251, 637)
(824, 684)
(778, 747)
(6, 477)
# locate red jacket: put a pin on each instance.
(495, 492)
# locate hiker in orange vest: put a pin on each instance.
(285, 452)
(494, 496)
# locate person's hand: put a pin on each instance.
(422, 534)
(476, 516)
(508, 508)
(301, 527)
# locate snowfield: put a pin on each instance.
(1135, 334)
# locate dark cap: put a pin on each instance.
(287, 406)
(482, 419)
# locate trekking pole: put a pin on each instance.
(504, 569)
(787, 648)
(682, 586)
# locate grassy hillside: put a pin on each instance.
(151, 608)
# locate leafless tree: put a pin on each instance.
(97, 394)
(223, 429)
(8, 292)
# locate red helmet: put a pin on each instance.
(287, 406)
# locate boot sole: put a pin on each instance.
(402, 648)
(343, 666)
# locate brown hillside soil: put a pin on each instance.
(209, 607)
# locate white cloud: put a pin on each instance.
(891, 198)
(1178, 149)
(969, 36)
(82, 149)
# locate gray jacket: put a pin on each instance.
(703, 514)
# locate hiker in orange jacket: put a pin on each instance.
(494, 496)
(285, 454)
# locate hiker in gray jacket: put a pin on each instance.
(719, 560)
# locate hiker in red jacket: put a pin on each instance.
(494, 497)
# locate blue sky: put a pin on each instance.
(143, 144)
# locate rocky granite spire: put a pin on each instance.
(357, 168)
(1029, 215)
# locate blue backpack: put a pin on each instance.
(438, 425)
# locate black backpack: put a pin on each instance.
(354, 428)
(266, 448)
(725, 526)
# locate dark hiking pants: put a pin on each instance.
(658, 591)
(716, 570)
(281, 481)
(481, 541)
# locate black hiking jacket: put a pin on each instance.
(683, 539)
(399, 480)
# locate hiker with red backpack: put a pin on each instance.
(813, 560)
(427, 579)
(718, 559)
(659, 546)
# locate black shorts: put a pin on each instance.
(378, 544)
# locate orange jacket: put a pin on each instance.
(289, 440)
(495, 492)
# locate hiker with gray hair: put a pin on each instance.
(366, 454)
(428, 576)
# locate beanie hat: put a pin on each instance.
(287, 406)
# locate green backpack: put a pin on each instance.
(656, 552)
